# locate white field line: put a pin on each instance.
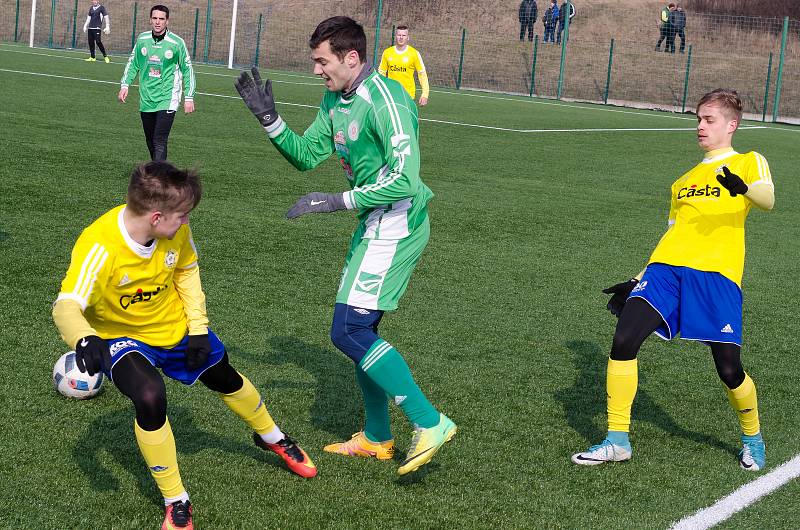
(743, 497)
(523, 100)
(458, 124)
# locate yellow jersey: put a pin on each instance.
(706, 224)
(401, 66)
(126, 289)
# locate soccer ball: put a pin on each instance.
(73, 383)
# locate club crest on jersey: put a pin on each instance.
(694, 191)
(170, 258)
(168, 54)
(144, 51)
(369, 283)
(338, 138)
(352, 130)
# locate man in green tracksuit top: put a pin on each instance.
(162, 61)
(371, 123)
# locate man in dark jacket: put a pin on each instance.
(562, 13)
(550, 20)
(680, 24)
(527, 17)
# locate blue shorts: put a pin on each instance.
(171, 361)
(703, 306)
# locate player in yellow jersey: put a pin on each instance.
(692, 283)
(400, 61)
(132, 303)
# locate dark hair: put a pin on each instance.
(343, 35)
(402, 26)
(728, 99)
(159, 185)
(159, 7)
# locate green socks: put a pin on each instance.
(385, 367)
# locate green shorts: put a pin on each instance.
(377, 271)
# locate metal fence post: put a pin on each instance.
(74, 23)
(52, 22)
(564, 39)
(394, 29)
(194, 39)
(766, 89)
(133, 29)
(608, 75)
(461, 59)
(779, 77)
(533, 64)
(378, 15)
(258, 39)
(16, 24)
(208, 32)
(686, 79)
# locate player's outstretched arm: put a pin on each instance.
(303, 152)
(761, 193)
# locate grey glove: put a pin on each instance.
(316, 202)
(257, 97)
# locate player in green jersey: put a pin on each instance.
(371, 123)
(162, 61)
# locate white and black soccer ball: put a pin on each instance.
(73, 383)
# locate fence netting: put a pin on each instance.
(477, 47)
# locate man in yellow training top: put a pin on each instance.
(400, 61)
(692, 283)
(132, 303)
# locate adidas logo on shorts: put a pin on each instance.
(727, 329)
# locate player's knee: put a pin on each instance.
(731, 375)
(350, 339)
(624, 347)
(150, 402)
(339, 335)
(222, 377)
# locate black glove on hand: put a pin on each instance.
(621, 291)
(258, 98)
(316, 202)
(92, 355)
(197, 351)
(732, 182)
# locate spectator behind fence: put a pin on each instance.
(669, 46)
(665, 26)
(528, 10)
(550, 20)
(680, 25)
(93, 27)
(562, 12)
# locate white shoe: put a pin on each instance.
(601, 453)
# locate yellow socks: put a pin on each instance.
(743, 400)
(158, 450)
(622, 378)
(248, 405)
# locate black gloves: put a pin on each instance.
(732, 182)
(258, 98)
(197, 351)
(620, 292)
(92, 355)
(316, 202)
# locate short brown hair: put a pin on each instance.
(343, 35)
(402, 26)
(726, 98)
(159, 185)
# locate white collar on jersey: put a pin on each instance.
(720, 155)
(139, 250)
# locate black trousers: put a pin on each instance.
(682, 35)
(94, 37)
(526, 27)
(156, 127)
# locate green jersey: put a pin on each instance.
(164, 67)
(375, 135)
